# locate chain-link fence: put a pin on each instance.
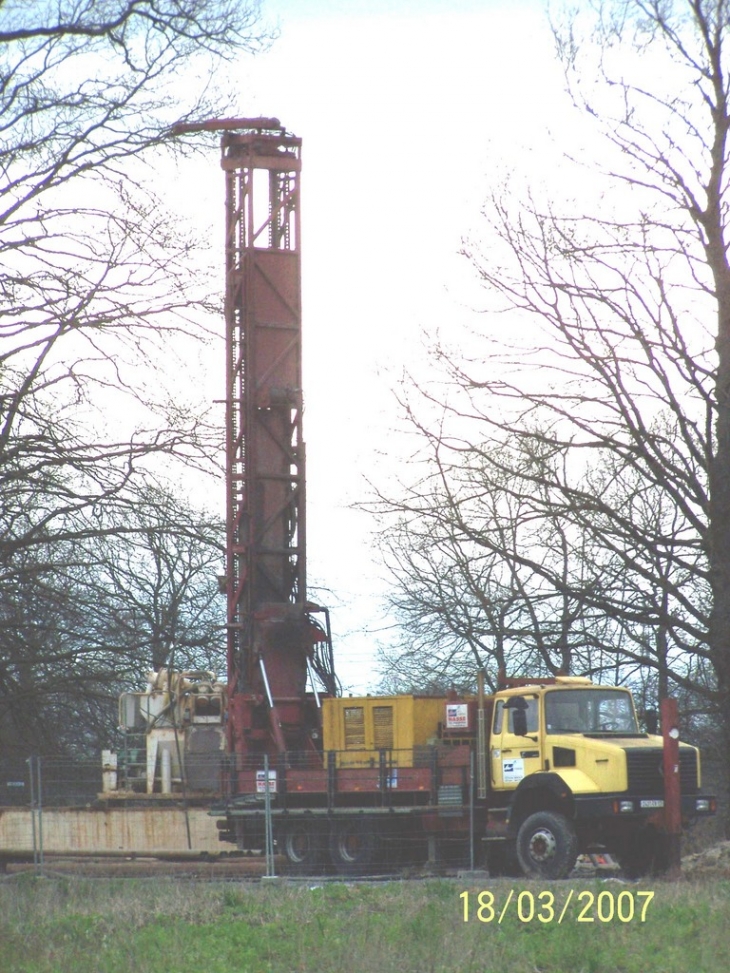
(350, 812)
(357, 812)
(63, 806)
(341, 812)
(21, 790)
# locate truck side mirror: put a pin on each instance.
(519, 722)
(651, 721)
(518, 705)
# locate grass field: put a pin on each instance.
(75, 925)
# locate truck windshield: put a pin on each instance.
(589, 711)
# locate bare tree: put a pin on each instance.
(98, 282)
(83, 620)
(101, 293)
(607, 349)
(491, 572)
(157, 586)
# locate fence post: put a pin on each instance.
(36, 812)
(40, 812)
(471, 810)
(269, 826)
(31, 772)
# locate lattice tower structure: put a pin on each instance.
(276, 640)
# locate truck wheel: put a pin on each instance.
(547, 846)
(355, 845)
(303, 844)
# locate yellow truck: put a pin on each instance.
(532, 776)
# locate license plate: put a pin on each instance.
(652, 803)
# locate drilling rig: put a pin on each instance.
(277, 640)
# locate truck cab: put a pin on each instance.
(571, 771)
(544, 728)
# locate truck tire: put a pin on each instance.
(547, 846)
(355, 846)
(303, 845)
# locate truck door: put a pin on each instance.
(514, 756)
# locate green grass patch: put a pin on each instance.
(71, 925)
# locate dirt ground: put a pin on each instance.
(209, 869)
(712, 862)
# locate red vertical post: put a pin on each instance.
(672, 788)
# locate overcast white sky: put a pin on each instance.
(409, 109)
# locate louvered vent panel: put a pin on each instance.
(354, 727)
(383, 727)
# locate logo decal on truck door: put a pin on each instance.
(513, 771)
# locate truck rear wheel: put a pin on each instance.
(355, 846)
(547, 846)
(303, 844)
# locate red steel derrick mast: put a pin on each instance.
(275, 642)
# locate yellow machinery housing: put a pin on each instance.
(355, 727)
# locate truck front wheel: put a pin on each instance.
(547, 846)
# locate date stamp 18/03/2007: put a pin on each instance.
(585, 906)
